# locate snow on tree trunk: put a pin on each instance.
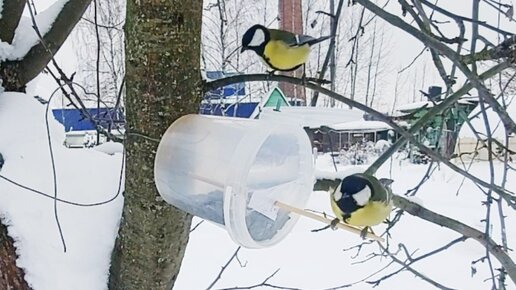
(11, 277)
(163, 83)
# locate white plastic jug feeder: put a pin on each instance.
(231, 171)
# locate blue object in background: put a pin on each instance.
(74, 119)
(232, 90)
(242, 110)
(223, 101)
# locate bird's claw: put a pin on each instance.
(364, 232)
(333, 224)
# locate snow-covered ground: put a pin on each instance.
(84, 176)
(309, 260)
(305, 259)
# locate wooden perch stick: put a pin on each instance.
(326, 220)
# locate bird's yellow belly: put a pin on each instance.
(370, 215)
(283, 57)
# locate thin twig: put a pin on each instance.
(224, 268)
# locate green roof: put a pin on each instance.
(276, 99)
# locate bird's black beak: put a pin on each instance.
(243, 49)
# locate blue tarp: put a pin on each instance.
(217, 102)
(74, 120)
(237, 89)
(243, 110)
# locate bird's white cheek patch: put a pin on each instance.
(337, 195)
(258, 38)
(363, 196)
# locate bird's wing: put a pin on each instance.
(290, 38)
(381, 191)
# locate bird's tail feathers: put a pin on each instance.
(320, 39)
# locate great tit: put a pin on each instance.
(280, 50)
(362, 200)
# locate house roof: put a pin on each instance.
(275, 99)
(361, 126)
(415, 106)
(427, 104)
(312, 117)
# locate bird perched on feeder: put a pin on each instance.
(362, 200)
(280, 50)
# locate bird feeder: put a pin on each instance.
(233, 172)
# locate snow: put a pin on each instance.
(414, 106)
(305, 259)
(361, 125)
(84, 176)
(382, 145)
(313, 117)
(1, 7)
(25, 36)
(5, 50)
(110, 148)
(310, 260)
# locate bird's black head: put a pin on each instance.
(354, 193)
(353, 184)
(255, 39)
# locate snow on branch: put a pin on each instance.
(56, 24)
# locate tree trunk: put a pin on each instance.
(163, 83)
(11, 277)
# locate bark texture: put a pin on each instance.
(11, 277)
(163, 83)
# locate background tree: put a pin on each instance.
(163, 83)
(101, 28)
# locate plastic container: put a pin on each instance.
(231, 171)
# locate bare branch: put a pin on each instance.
(463, 229)
(331, 48)
(449, 101)
(431, 253)
(224, 268)
(196, 226)
(413, 61)
(264, 283)
(13, 9)
(16, 74)
(449, 53)
(462, 18)
(506, 49)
